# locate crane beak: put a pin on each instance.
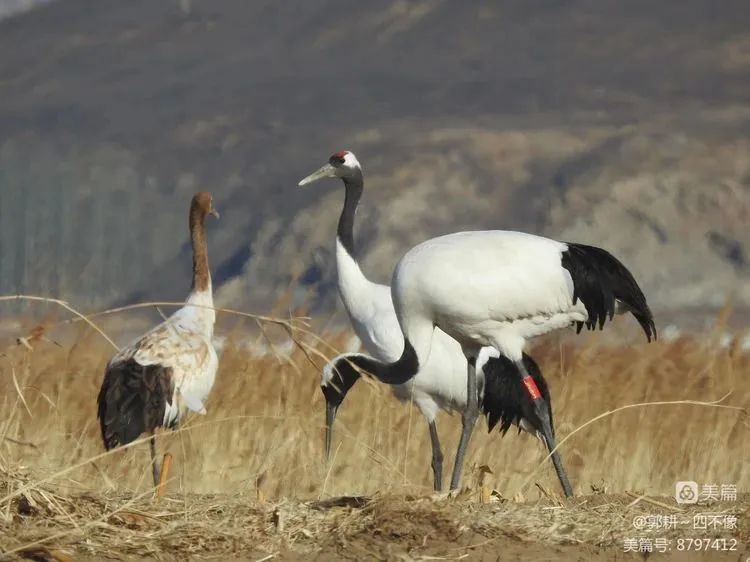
(326, 171)
(331, 410)
(213, 212)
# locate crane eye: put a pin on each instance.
(338, 158)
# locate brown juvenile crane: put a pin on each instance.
(153, 381)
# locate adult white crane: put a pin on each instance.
(498, 289)
(153, 381)
(441, 383)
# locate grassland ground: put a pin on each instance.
(387, 527)
(249, 481)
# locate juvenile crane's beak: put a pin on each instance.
(326, 171)
(214, 212)
(331, 410)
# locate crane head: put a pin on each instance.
(203, 204)
(342, 164)
(337, 379)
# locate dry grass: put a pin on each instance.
(248, 477)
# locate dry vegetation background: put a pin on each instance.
(249, 478)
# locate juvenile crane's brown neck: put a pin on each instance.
(201, 275)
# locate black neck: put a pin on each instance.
(354, 186)
(390, 373)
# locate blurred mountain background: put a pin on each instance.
(620, 124)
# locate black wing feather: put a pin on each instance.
(599, 280)
(132, 401)
(505, 394)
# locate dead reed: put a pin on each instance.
(255, 462)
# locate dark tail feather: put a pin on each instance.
(504, 393)
(599, 280)
(132, 401)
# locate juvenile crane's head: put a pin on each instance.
(342, 164)
(202, 205)
(337, 379)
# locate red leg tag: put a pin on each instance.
(532, 389)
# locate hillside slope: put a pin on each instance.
(624, 125)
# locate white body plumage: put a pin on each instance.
(441, 382)
(485, 288)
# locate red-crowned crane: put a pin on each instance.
(496, 289)
(153, 381)
(441, 382)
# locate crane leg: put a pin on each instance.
(544, 415)
(468, 419)
(437, 457)
(154, 462)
